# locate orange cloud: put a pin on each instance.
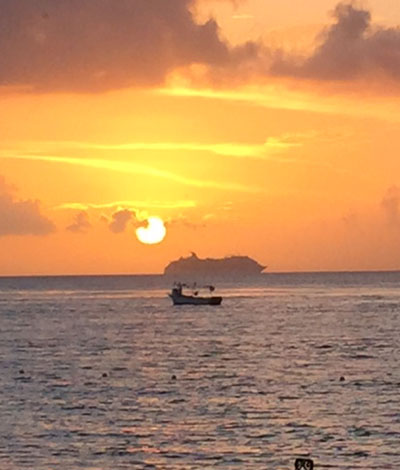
(120, 220)
(81, 223)
(271, 145)
(133, 205)
(21, 217)
(136, 168)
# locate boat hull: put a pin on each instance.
(194, 300)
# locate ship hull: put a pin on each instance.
(194, 300)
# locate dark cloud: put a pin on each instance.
(81, 223)
(351, 48)
(92, 45)
(21, 217)
(120, 220)
(391, 206)
(97, 45)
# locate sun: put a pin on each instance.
(154, 232)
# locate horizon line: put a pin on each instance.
(351, 271)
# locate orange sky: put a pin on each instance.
(266, 130)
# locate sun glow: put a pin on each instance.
(154, 232)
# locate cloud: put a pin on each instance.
(81, 223)
(133, 205)
(243, 16)
(135, 168)
(184, 221)
(18, 217)
(233, 149)
(120, 220)
(87, 45)
(93, 46)
(391, 206)
(349, 49)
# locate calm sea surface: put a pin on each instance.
(104, 373)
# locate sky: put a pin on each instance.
(250, 127)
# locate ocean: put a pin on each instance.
(102, 373)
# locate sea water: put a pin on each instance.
(104, 373)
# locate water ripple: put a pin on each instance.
(101, 379)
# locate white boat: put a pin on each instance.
(179, 298)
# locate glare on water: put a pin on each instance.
(106, 373)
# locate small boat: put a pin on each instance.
(179, 298)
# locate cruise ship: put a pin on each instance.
(194, 267)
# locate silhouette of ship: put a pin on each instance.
(194, 267)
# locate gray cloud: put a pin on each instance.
(87, 45)
(81, 223)
(21, 217)
(97, 45)
(350, 48)
(120, 220)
